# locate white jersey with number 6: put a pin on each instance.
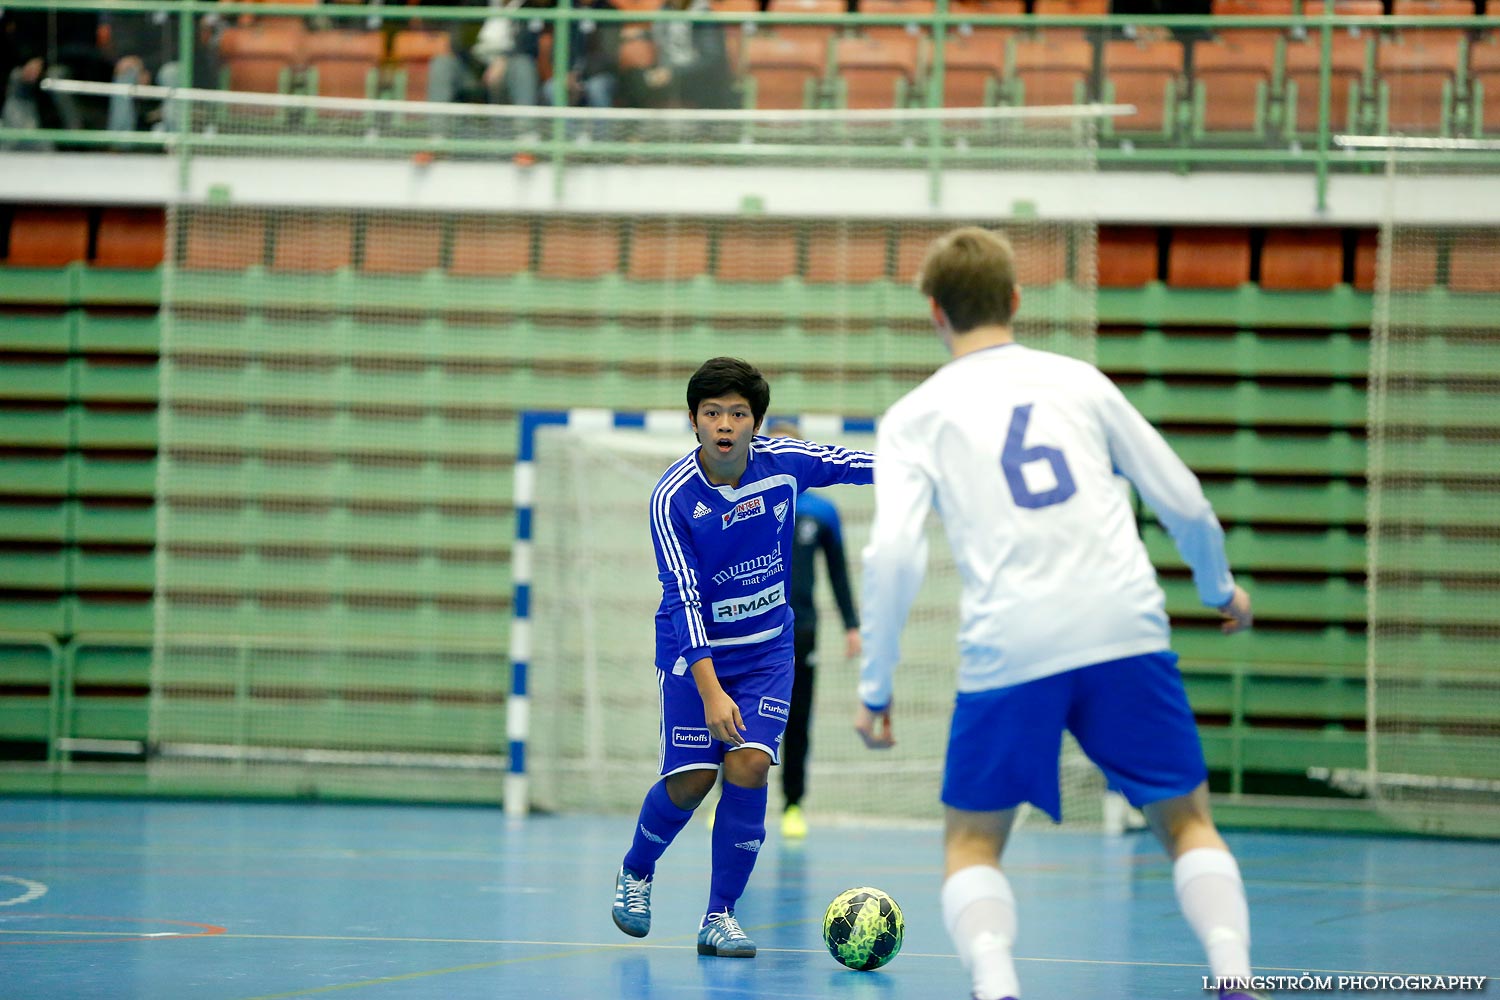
(1021, 451)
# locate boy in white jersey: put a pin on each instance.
(1063, 622)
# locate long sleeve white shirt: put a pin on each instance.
(1020, 451)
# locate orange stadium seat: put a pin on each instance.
(575, 248)
(223, 240)
(878, 72)
(1346, 8)
(1044, 9)
(1435, 8)
(668, 251)
(1418, 76)
(344, 63)
(48, 237)
(1050, 70)
(1251, 8)
(911, 249)
(261, 58)
(1233, 81)
(820, 33)
(313, 243)
(974, 66)
(1146, 74)
(411, 54)
(734, 34)
(1211, 257)
(1472, 263)
(846, 254)
(402, 244)
(1299, 260)
(757, 251)
(784, 72)
(130, 238)
(1041, 255)
(489, 248)
(1413, 268)
(913, 29)
(959, 9)
(1484, 71)
(1127, 256)
(1347, 75)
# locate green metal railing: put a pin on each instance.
(932, 151)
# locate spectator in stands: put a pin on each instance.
(496, 66)
(144, 50)
(692, 65)
(41, 45)
(593, 59)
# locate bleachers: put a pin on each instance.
(1258, 383)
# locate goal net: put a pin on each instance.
(361, 297)
(595, 714)
(1434, 507)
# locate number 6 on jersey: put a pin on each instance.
(1016, 456)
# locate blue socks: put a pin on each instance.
(739, 829)
(659, 823)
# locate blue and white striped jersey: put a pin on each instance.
(723, 554)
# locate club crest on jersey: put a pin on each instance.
(780, 511)
(744, 510)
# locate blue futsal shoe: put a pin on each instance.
(632, 910)
(721, 936)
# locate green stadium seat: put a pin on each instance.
(112, 568)
(34, 473)
(106, 333)
(99, 427)
(115, 522)
(33, 568)
(116, 381)
(1334, 550)
(34, 520)
(35, 381)
(49, 332)
(105, 474)
(30, 666)
(35, 426)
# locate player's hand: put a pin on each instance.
(723, 718)
(852, 645)
(874, 727)
(1236, 612)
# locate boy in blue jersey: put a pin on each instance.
(1064, 625)
(721, 522)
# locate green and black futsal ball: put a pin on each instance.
(862, 928)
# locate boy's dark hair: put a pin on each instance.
(971, 274)
(721, 376)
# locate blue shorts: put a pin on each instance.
(1130, 716)
(763, 694)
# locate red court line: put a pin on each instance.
(206, 930)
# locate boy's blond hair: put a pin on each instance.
(971, 274)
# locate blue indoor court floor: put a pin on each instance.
(165, 900)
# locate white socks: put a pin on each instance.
(1212, 898)
(980, 913)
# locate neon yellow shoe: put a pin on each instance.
(793, 826)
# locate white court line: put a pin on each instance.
(33, 890)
